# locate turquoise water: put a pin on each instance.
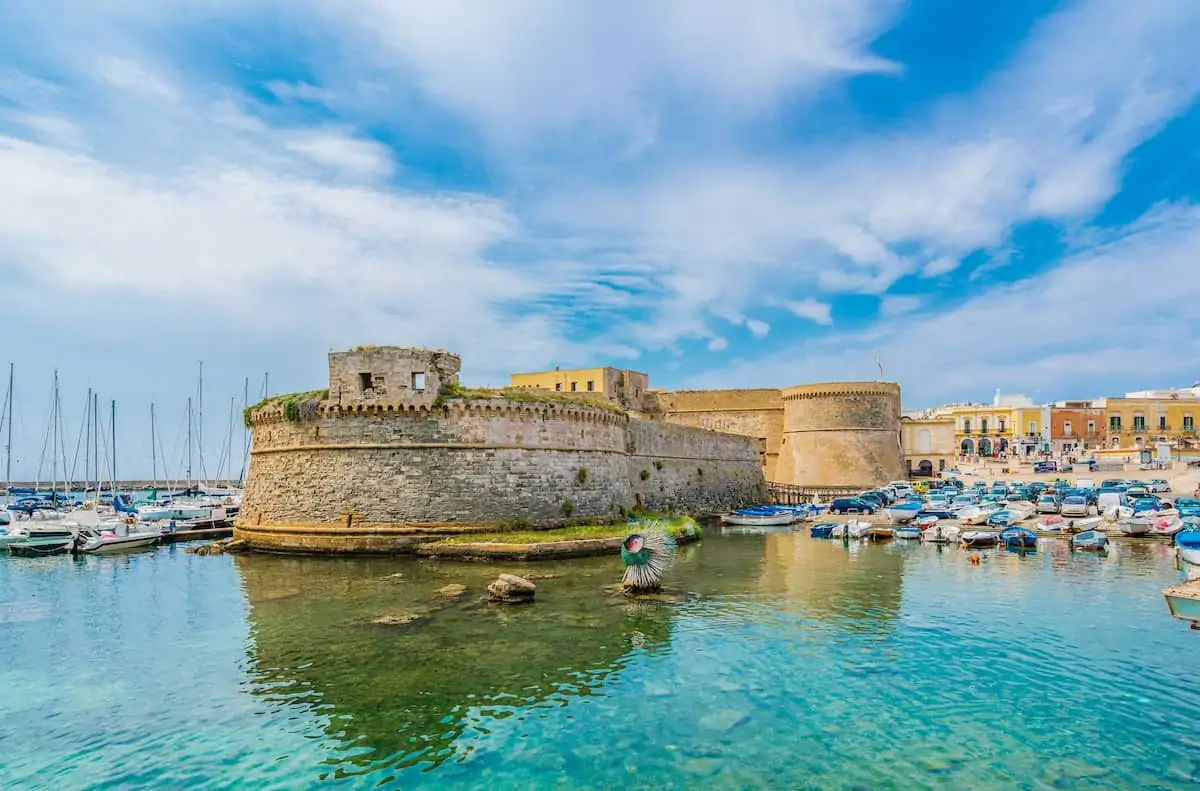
(773, 661)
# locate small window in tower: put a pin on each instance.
(365, 381)
(591, 386)
(418, 381)
(574, 387)
(558, 387)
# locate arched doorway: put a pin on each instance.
(985, 447)
(925, 469)
(968, 447)
(1001, 446)
(1116, 442)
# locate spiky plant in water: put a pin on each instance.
(647, 555)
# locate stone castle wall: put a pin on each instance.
(377, 477)
(752, 413)
(841, 433)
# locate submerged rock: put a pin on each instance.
(451, 591)
(511, 589)
(219, 547)
(722, 720)
(399, 619)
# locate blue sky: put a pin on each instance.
(983, 195)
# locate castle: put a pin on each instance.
(396, 451)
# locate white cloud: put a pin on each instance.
(718, 344)
(355, 157)
(899, 304)
(758, 329)
(812, 309)
(299, 92)
(132, 76)
(524, 68)
(941, 265)
(1073, 332)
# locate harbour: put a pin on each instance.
(884, 665)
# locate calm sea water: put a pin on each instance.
(774, 662)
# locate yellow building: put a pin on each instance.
(929, 444)
(1141, 420)
(980, 429)
(627, 388)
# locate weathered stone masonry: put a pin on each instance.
(372, 471)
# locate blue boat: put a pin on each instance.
(1018, 538)
(823, 530)
(1188, 544)
(910, 532)
(899, 513)
(1002, 518)
(1089, 539)
(940, 513)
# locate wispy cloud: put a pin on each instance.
(812, 309)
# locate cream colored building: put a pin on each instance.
(624, 387)
(929, 444)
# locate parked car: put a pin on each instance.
(999, 490)
(1142, 504)
(874, 498)
(1047, 504)
(1137, 491)
(1074, 506)
(1083, 464)
(1159, 485)
(1045, 466)
(1111, 482)
(1107, 499)
(852, 505)
(1085, 483)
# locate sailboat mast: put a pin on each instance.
(8, 441)
(245, 431)
(200, 418)
(54, 444)
(113, 425)
(96, 442)
(189, 443)
(153, 451)
(87, 445)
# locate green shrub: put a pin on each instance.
(644, 475)
(582, 476)
(568, 507)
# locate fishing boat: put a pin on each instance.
(822, 530)
(901, 513)
(976, 515)
(979, 538)
(1183, 602)
(880, 532)
(1089, 539)
(1002, 518)
(940, 533)
(926, 521)
(1018, 538)
(37, 540)
(1187, 546)
(1166, 526)
(1022, 508)
(1051, 524)
(1081, 525)
(758, 516)
(908, 532)
(1136, 526)
(856, 528)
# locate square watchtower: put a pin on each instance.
(399, 375)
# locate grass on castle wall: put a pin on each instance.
(293, 403)
(521, 395)
(675, 526)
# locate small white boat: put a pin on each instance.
(976, 515)
(909, 533)
(1089, 539)
(858, 529)
(1023, 509)
(1166, 526)
(1118, 513)
(980, 538)
(900, 513)
(1086, 523)
(106, 542)
(941, 533)
(1135, 526)
(880, 532)
(1183, 602)
(1050, 524)
(926, 522)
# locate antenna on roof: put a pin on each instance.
(879, 362)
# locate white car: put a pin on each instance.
(1074, 506)
(1158, 486)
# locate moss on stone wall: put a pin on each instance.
(519, 395)
(296, 406)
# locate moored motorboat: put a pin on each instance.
(760, 516)
(823, 530)
(940, 534)
(908, 532)
(979, 538)
(1002, 518)
(1086, 523)
(880, 532)
(1136, 526)
(976, 515)
(1187, 546)
(858, 529)
(1183, 602)
(112, 538)
(900, 513)
(1018, 538)
(1166, 526)
(1118, 513)
(1022, 508)
(926, 522)
(1051, 524)
(1089, 539)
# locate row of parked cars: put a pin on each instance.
(874, 500)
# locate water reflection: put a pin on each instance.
(420, 690)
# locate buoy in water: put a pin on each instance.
(974, 558)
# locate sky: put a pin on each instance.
(974, 196)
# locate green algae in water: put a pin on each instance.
(770, 661)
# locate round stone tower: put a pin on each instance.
(841, 434)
